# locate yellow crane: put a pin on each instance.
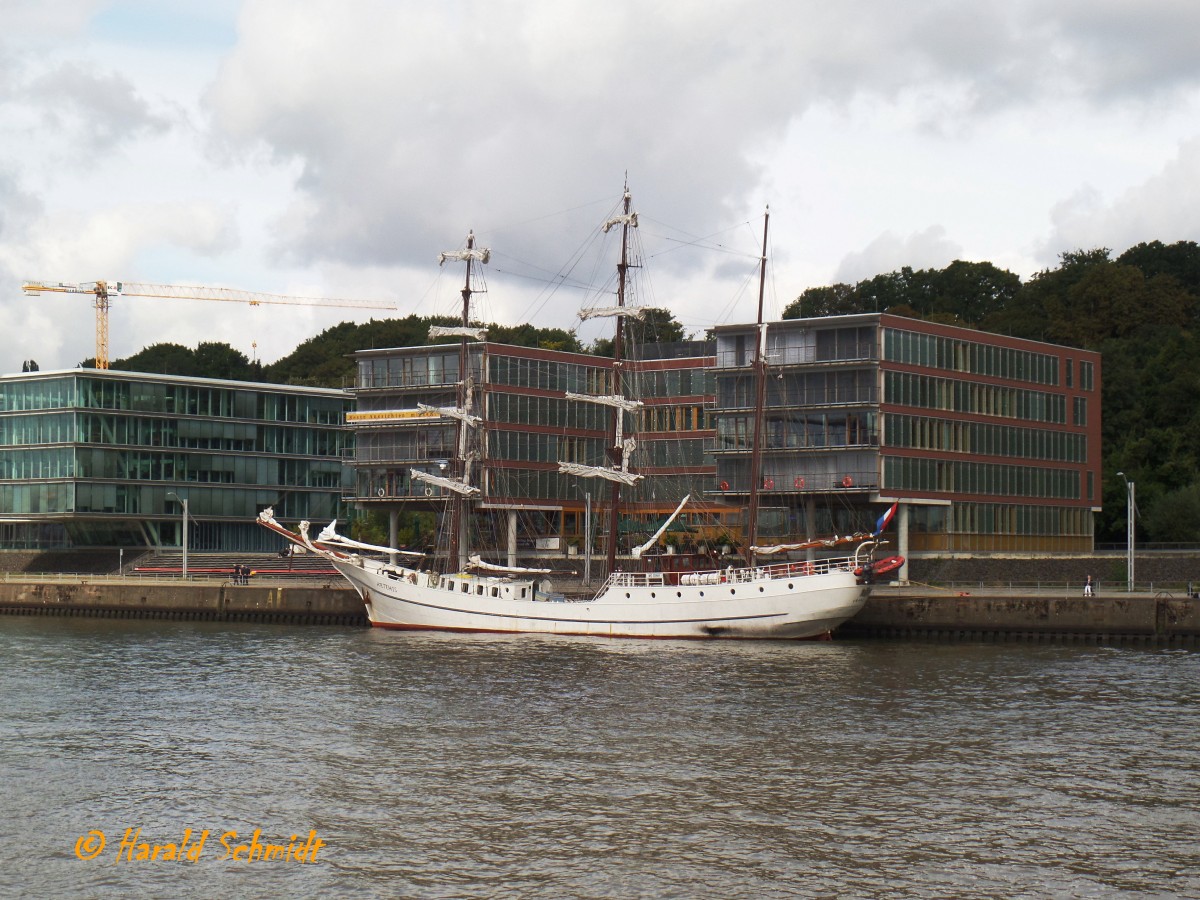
(104, 291)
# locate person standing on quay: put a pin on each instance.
(1087, 587)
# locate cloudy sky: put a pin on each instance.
(333, 149)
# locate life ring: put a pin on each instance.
(724, 485)
(428, 492)
(847, 481)
(381, 493)
(768, 484)
(798, 482)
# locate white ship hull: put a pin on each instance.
(778, 601)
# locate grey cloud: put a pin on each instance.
(412, 122)
(101, 109)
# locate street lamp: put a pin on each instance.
(183, 500)
(1130, 511)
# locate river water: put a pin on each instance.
(462, 766)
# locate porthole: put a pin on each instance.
(652, 595)
(733, 591)
(679, 593)
(790, 586)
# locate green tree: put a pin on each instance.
(832, 300)
(157, 359)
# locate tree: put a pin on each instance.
(969, 292)
(833, 300)
(157, 359)
(214, 360)
(657, 326)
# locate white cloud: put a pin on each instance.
(1161, 208)
(928, 249)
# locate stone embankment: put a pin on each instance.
(128, 598)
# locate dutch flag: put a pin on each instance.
(884, 519)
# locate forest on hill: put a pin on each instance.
(1140, 310)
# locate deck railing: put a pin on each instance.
(731, 575)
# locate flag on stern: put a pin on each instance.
(884, 519)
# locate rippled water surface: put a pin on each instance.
(447, 766)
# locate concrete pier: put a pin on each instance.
(136, 598)
(1028, 614)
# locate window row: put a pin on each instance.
(950, 476)
(172, 399)
(973, 357)
(1004, 518)
(789, 345)
(697, 382)
(145, 500)
(799, 430)
(412, 370)
(906, 389)
(549, 375)
(675, 418)
(536, 447)
(793, 389)
(981, 439)
(205, 468)
(552, 411)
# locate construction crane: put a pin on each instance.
(104, 291)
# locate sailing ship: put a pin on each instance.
(757, 599)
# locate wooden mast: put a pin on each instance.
(760, 393)
(459, 471)
(617, 452)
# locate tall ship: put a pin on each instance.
(757, 598)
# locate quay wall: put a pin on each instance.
(139, 599)
(891, 612)
(1162, 618)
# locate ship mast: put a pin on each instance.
(459, 482)
(617, 451)
(621, 449)
(760, 393)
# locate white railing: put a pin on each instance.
(730, 575)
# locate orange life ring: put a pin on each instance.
(724, 485)
(768, 484)
(798, 482)
(847, 481)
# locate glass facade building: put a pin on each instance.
(992, 444)
(92, 458)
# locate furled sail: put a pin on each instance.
(452, 412)
(578, 469)
(600, 312)
(450, 484)
(329, 535)
(477, 334)
(476, 562)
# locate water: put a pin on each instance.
(447, 766)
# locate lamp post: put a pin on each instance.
(183, 501)
(1130, 516)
